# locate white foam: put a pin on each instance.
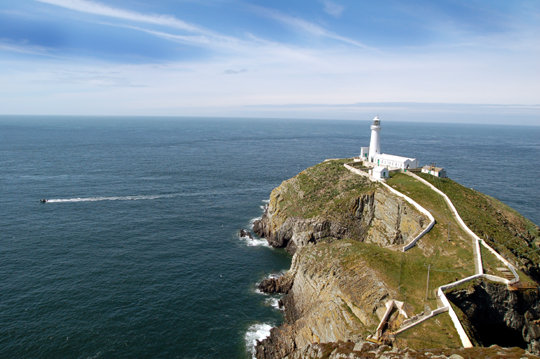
(273, 302)
(254, 333)
(275, 275)
(266, 200)
(115, 198)
(255, 242)
(253, 220)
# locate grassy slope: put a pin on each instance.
(404, 273)
(503, 228)
(447, 248)
(326, 189)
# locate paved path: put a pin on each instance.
(479, 270)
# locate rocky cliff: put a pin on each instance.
(332, 294)
(327, 201)
(496, 315)
(345, 234)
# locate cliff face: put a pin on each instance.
(332, 294)
(499, 316)
(308, 208)
(333, 297)
(341, 229)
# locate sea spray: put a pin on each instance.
(254, 333)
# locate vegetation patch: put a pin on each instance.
(504, 229)
(327, 189)
(438, 332)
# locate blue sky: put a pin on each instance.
(458, 61)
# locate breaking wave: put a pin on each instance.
(255, 241)
(254, 333)
(273, 302)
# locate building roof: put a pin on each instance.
(436, 169)
(378, 169)
(384, 156)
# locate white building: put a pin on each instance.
(435, 171)
(392, 161)
(379, 172)
(373, 154)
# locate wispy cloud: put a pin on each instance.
(96, 8)
(306, 26)
(234, 72)
(197, 36)
(23, 48)
(332, 8)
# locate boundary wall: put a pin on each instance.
(468, 230)
(424, 211)
(466, 342)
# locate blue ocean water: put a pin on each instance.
(137, 252)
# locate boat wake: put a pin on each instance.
(115, 198)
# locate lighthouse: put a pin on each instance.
(372, 157)
(375, 143)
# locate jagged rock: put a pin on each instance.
(351, 350)
(498, 315)
(281, 284)
(379, 217)
(326, 303)
(244, 233)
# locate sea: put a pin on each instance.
(137, 252)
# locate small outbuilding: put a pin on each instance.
(403, 163)
(380, 172)
(435, 171)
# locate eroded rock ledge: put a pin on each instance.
(325, 300)
(497, 315)
(377, 217)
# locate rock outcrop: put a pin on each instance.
(343, 231)
(497, 315)
(363, 350)
(330, 297)
(244, 234)
(364, 211)
(329, 300)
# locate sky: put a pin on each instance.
(472, 61)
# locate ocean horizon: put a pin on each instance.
(137, 252)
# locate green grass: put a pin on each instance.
(328, 190)
(438, 332)
(325, 189)
(447, 245)
(503, 228)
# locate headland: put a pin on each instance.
(354, 288)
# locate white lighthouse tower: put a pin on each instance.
(375, 143)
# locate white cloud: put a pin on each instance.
(22, 48)
(274, 78)
(332, 8)
(96, 8)
(306, 26)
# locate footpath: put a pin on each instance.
(479, 270)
